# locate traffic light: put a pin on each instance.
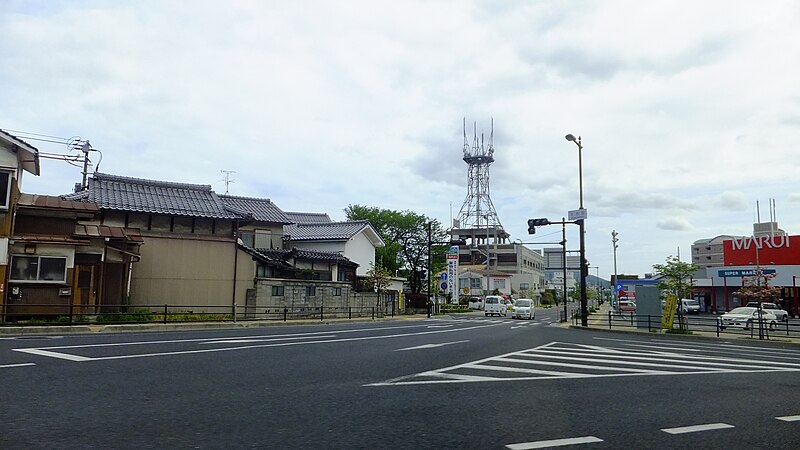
(533, 223)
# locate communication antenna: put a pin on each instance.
(227, 180)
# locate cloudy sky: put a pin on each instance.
(689, 111)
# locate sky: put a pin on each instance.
(688, 111)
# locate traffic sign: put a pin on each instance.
(577, 214)
(443, 275)
(444, 285)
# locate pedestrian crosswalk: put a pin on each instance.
(572, 360)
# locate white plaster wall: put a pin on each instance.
(361, 251)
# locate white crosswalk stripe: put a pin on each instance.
(569, 360)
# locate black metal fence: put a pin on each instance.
(60, 314)
(761, 329)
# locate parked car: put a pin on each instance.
(523, 309)
(781, 314)
(475, 303)
(690, 306)
(627, 306)
(745, 317)
(494, 304)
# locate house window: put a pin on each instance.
(5, 188)
(337, 292)
(499, 284)
(311, 291)
(39, 268)
(263, 271)
(277, 291)
(524, 286)
(475, 283)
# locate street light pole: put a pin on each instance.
(614, 241)
(487, 260)
(564, 263)
(582, 225)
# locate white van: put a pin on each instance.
(475, 303)
(495, 304)
(690, 306)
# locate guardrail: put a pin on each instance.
(59, 314)
(761, 329)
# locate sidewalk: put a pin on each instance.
(599, 322)
(186, 326)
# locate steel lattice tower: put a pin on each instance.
(478, 212)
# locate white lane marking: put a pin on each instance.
(733, 347)
(244, 347)
(697, 428)
(264, 336)
(554, 443)
(584, 366)
(789, 418)
(251, 341)
(40, 352)
(426, 346)
(7, 366)
(440, 326)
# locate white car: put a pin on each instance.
(475, 303)
(745, 317)
(781, 314)
(494, 304)
(523, 309)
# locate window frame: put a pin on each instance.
(38, 279)
(5, 206)
(278, 291)
(311, 291)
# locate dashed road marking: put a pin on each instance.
(697, 428)
(8, 366)
(554, 443)
(789, 418)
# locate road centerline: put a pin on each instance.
(697, 428)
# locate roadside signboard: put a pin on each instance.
(742, 272)
(669, 311)
(452, 274)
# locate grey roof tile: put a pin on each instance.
(275, 255)
(307, 218)
(334, 231)
(157, 197)
(262, 209)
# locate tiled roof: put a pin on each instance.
(156, 197)
(29, 156)
(334, 231)
(127, 234)
(262, 209)
(280, 255)
(308, 218)
(54, 202)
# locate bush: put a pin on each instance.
(138, 315)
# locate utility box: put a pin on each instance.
(648, 303)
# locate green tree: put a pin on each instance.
(378, 279)
(406, 236)
(757, 288)
(676, 278)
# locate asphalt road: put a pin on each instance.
(448, 382)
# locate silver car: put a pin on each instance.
(745, 317)
(523, 309)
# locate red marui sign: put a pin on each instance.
(762, 250)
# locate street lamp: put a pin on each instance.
(581, 224)
(614, 241)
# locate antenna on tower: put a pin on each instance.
(227, 180)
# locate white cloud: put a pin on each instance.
(322, 106)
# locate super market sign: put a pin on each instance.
(743, 272)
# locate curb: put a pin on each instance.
(185, 326)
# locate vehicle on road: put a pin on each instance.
(475, 303)
(494, 304)
(745, 316)
(523, 309)
(690, 306)
(627, 306)
(781, 314)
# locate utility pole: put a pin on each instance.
(85, 148)
(614, 241)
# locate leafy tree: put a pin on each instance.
(406, 237)
(676, 278)
(378, 279)
(757, 288)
